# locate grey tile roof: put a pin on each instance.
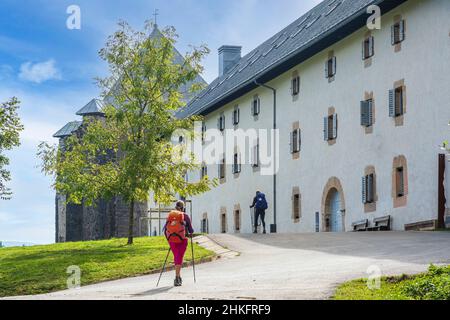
(68, 129)
(297, 37)
(94, 106)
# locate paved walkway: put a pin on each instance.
(294, 266)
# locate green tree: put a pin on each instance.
(445, 146)
(10, 128)
(129, 152)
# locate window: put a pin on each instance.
(368, 189)
(330, 127)
(367, 113)
(236, 163)
(400, 182)
(204, 227)
(204, 171)
(255, 155)
(221, 172)
(237, 220)
(330, 68)
(221, 122)
(295, 84)
(396, 102)
(223, 223)
(203, 131)
(296, 141)
(236, 116)
(398, 32)
(368, 48)
(296, 206)
(256, 106)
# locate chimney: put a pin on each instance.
(229, 56)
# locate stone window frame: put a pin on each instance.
(296, 216)
(370, 96)
(237, 213)
(400, 162)
(398, 19)
(371, 206)
(236, 116)
(332, 112)
(295, 128)
(237, 166)
(221, 123)
(222, 169)
(400, 119)
(256, 113)
(369, 57)
(223, 220)
(295, 85)
(204, 218)
(331, 75)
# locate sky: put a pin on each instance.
(51, 69)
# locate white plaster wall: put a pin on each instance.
(424, 64)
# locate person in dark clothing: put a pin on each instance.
(260, 205)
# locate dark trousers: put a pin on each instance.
(260, 213)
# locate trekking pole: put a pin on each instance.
(164, 266)
(193, 258)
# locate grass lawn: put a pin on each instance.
(432, 285)
(42, 269)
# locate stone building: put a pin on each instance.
(358, 143)
(108, 218)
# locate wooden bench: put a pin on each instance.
(381, 224)
(360, 225)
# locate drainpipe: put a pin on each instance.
(273, 227)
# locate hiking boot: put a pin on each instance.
(264, 232)
(177, 282)
(255, 232)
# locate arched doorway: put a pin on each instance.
(333, 207)
(333, 211)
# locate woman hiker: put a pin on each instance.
(177, 230)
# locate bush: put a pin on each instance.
(434, 285)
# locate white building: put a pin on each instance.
(385, 114)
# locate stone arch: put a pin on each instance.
(333, 183)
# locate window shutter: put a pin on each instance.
(292, 141)
(393, 35)
(334, 126)
(370, 189)
(402, 30)
(258, 106)
(299, 137)
(392, 103)
(369, 113)
(325, 129)
(334, 66)
(239, 162)
(363, 50)
(363, 113)
(371, 46)
(364, 190)
(327, 75)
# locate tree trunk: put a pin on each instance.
(131, 223)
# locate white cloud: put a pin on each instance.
(39, 72)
